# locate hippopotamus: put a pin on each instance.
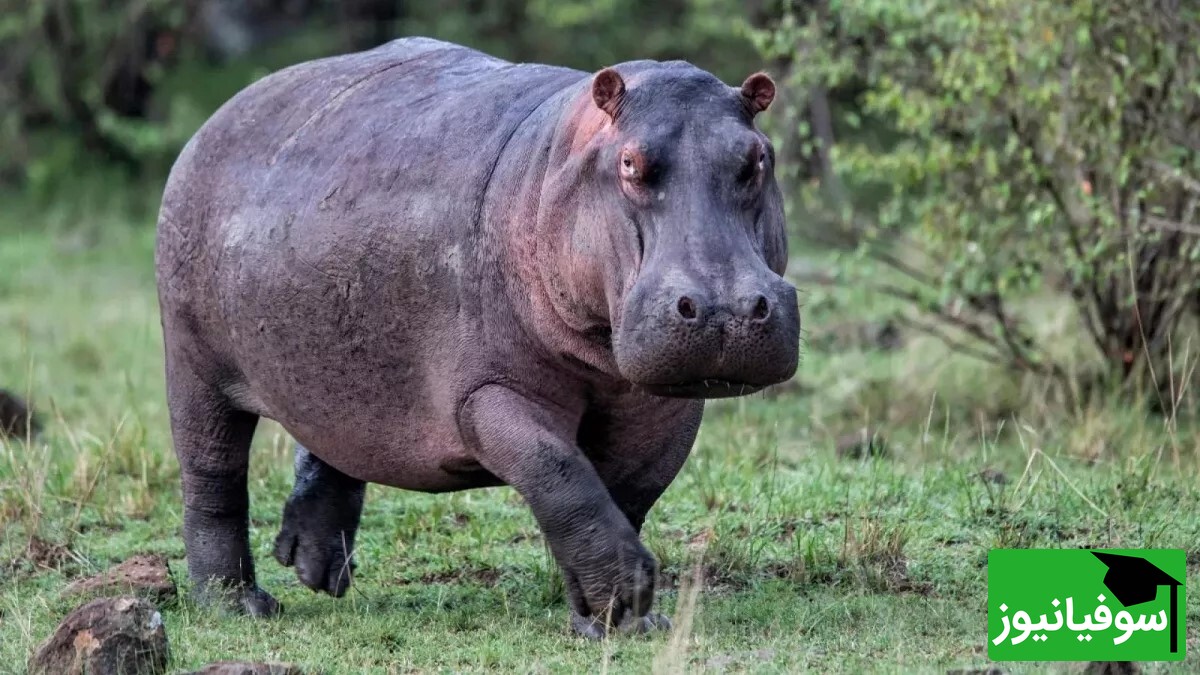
(438, 270)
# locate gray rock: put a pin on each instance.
(109, 636)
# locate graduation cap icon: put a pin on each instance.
(1135, 580)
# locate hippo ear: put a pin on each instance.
(608, 88)
(759, 91)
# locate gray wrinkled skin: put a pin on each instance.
(440, 271)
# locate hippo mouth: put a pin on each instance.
(709, 388)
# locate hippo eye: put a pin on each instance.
(629, 166)
(749, 171)
(754, 166)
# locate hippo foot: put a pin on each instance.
(322, 553)
(244, 600)
(594, 628)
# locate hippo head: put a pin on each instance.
(678, 192)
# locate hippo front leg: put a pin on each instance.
(643, 442)
(319, 523)
(609, 574)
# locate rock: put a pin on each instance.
(247, 668)
(16, 419)
(108, 636)
(1112, 668)
(144, 575)
(865, 442)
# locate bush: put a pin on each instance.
(85, 70)
(1041, 145)
(86, 84)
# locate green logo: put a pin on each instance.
(1086, 605)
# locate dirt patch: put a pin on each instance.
(145, 575)
(45, 554)
(895, 578)
(485, 577)
(39, 555)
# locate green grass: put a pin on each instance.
(777, 555)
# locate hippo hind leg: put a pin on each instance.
(212, 441)
(319, 524)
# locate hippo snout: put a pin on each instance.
(688, 339)
(695, 309)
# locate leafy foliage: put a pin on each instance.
(127, 83)
(1041, 145)
(86, 69)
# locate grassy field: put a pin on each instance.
(777, 553)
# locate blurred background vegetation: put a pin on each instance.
(1018, 178)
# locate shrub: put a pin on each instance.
(85, 69)
(1038, 145)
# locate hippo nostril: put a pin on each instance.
(687, 308)
(761, 309)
